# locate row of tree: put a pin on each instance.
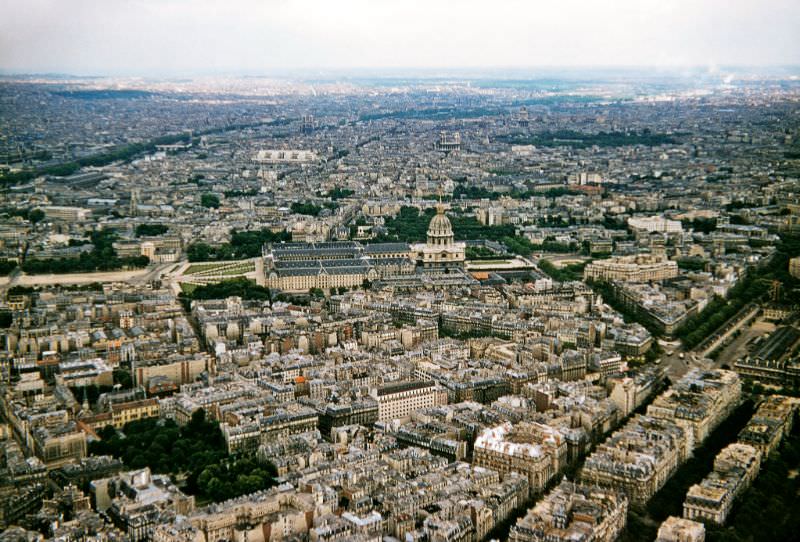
(580, 140)
(121, 152)
(478, 192)
(340, 193)
(102, 257)
(250, 291)
(482, 253)
(719, 310)
(125, 152)
(32, 215)
(150, 230)
(7, 266)
(243, 244)
(692, 264)
(564, 274)
(240, 286)
(412, 226)
(209, 200)
(310, 209)
(752, 287)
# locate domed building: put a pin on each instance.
(441, 252)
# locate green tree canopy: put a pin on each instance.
(36, 215)
(209, 200)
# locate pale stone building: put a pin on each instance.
(398, 401)
(735, 468)
(572, 512)
(639, 268)
(441, 252)
(535, 450)
(676, 529)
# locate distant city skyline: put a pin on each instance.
(202, 37)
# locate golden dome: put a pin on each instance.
(440, 231)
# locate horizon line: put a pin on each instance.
(475, 71)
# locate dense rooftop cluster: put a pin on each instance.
(426, 312)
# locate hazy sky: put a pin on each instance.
(184, 37)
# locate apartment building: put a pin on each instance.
(177, 370)
(699, 401)
(771, 422)
(122, 413)
(639, 458)
(573, 512)
(638, 268)
(675, 529)
(735, 468)
(533, 449)
(398, 401)
(276, 514)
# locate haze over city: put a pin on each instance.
(202, 37)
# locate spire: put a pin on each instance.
(134, 202)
